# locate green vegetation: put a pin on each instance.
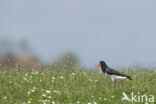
(71, 87)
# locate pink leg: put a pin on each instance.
(113, 83)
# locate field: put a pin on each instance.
(74, 87)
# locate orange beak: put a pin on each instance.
(98, 65)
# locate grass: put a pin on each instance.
(71, 87)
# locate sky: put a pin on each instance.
(120, 32)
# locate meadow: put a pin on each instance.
(72, 87)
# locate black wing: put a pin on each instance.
(110, 71)
(113, 72)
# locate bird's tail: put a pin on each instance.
(128, 77)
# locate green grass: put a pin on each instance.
(71, 87)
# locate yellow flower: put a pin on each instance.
(30, 99)
(16, 84)
(39, 100)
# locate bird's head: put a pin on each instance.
(102, 63)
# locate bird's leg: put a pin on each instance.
(113, 82)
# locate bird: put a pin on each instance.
(113, 74)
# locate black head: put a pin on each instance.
(103, 65)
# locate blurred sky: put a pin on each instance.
(121, 32)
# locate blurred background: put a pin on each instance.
(77, 33)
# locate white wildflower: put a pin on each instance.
(29, 101)
(94, 103)
(5, 97)
(36, 72)
(105, 98)
(49, 97)
(48, 91)
(73, 74)
(61, 77)
(26, 74)
(32, 90)
(25, 79)
(96, 80)
(45, 101)
(55, 91)
(44, 95)
(84, 73)
(92, 96)
(77, 102)
(53, 78)
(28, 92)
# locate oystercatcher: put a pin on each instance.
(111, 72)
